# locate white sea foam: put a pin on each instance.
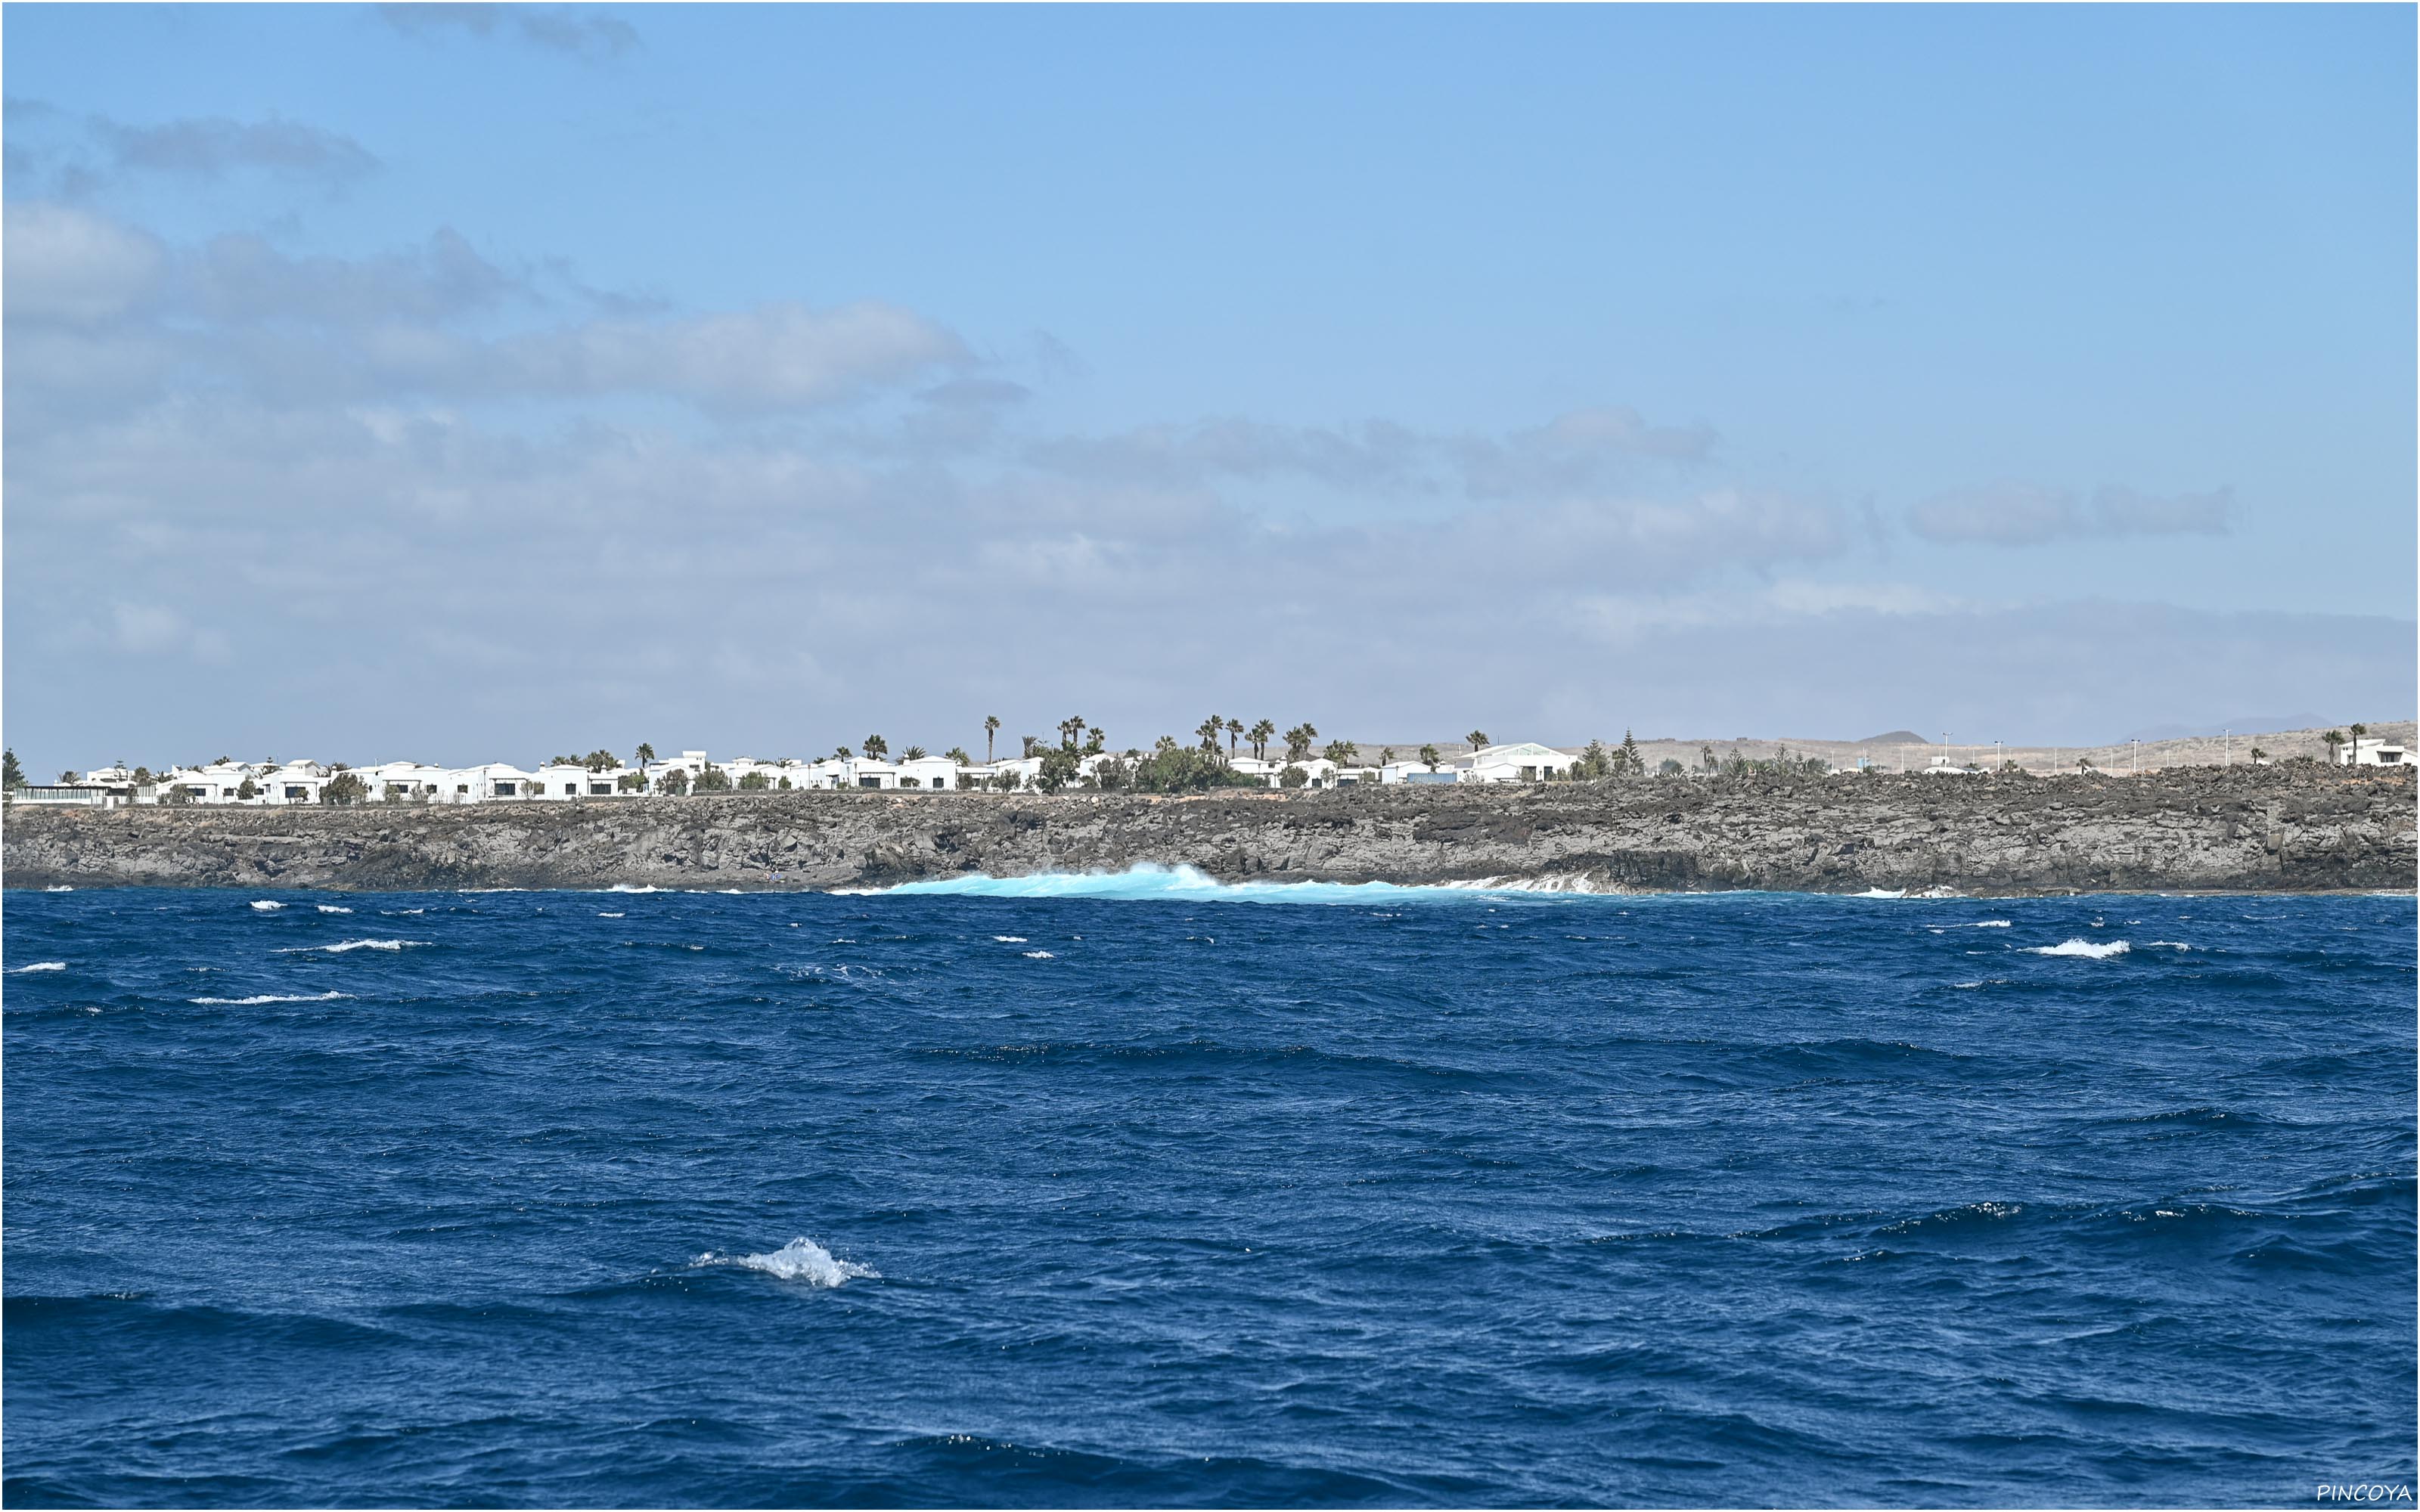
(332, 908)
(1010, 939)
(2166, 945)
(58, 887)
(38, 965)
(269, 998)
(801, 1259)
(342, 946)
(268, 906)
(2080, 948)
(624, 886)
(403, 910)
(1881, 892)
(603, 915)
(1040, 955)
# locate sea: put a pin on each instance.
(1140, 1190)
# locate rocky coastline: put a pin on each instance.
(2294, 830)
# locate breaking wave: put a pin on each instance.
(332, 908)
(801, 1259)
(343, 946)
(38, 965)
(2081, 948)
(269, 998)
(1150, 881)
(268, 906)
(1040, 955)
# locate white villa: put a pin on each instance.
(2366, 750)
(275, 784)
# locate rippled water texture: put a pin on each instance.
(1148, 1193)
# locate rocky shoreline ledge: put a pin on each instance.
(2274, 830)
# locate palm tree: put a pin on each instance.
(2259, 756)
(842, 753)
(958, 754)
(644, 754)
(2358, 731)
(1299, 741)
(2334, 738)
(1477, 738)
(1259, 736)
(1341, 752)
(1429, 757)
(877, 746)
(1209, 731)
(1235, 730)
(1095, 741)
(913, 753)
(991, 727)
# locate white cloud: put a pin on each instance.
(64, 264)
(2015, 514)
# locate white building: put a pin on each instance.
(934, 774)
(2364, 751)
(1526, 761)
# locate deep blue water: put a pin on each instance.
(1367, 1196)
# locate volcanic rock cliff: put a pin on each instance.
(2291, 828)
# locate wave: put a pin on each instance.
(1009, 939)
(2081, 948)
(626, 886)
(2166, 945)
(1040, 955)
(269, 998)
(343, 946)
(58, 887)
(1979, 923)
(332, 908)
(1148, 881)
(268, 906)
(801, 1259)
(38, 965)
(602, 915)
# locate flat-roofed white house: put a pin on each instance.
(1416, 771)
(404, 781)
(493, 781)
(293, 782)
(2366, 750)
(1526, 761)
(934, 774)
(868, 772)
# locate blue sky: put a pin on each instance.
(481, 383)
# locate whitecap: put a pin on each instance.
(268, 906)
(2166, 945)
(58, 887)
(1979, 923)
(2080, 948)
(332, 908)
(1881, 892)
(38, 965)
(624, 886)
(603, 915)
(801, 1259)
(1040, 955)
(268, 997)
(342, 946)
(1009, 939)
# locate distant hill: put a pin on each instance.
(1897, 738)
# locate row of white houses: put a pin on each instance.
(275, 784)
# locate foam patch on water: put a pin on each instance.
(624, 886)
(269, 998)
(268, 906)
(1881, 892)
(801, 1259)
(38, 965)
(1150, 881)
(603, 915)
(1040, 955)
(332, 908)
(58, 887)
(342, 946)
(1009, 939)
(2081, 948)
(1979, 923)
(2166, 945)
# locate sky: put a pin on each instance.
(466, 383)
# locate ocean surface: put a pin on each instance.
(1143, 1191)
